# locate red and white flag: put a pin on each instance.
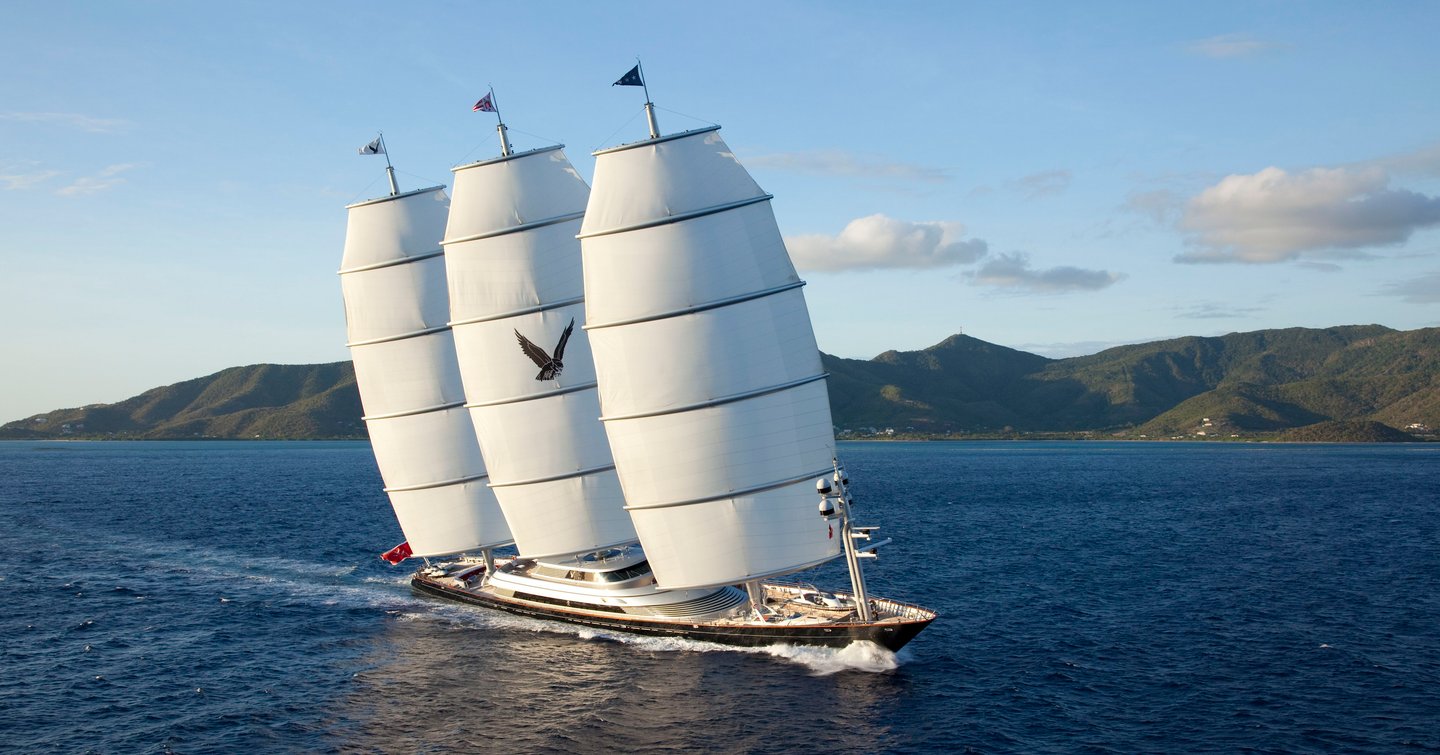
(398, 553)
(485, 105)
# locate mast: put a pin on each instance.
(710, 380)
(389, 169)
(649, 106)
(393, 281)
(499, 124)
(518, 310)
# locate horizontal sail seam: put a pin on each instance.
(718, 303)
(392, 263)
(413, 412)
(734, 493)
(399, 337)
(554, 478)
(440, 484)
(515, 228)
(668, 219)
(518, 312)
(533, 396)
(732, 398)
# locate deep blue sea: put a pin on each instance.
(213, 597)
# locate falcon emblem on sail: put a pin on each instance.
(550, 365)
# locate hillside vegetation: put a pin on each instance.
(1241, 384)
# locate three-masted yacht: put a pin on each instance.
(646, 391)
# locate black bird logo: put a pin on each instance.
(550, 366)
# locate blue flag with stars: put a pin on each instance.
(630, 79)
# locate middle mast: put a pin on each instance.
(517, 310)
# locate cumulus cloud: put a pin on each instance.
(1046, 182)
(1274, 216)
(105, 179)
(839, 163)
(1013, 271)
(72, 120)
(879, 242)
(1422, 290)
(1230, 46)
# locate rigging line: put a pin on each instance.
(464, 159)
(428, 179)
(545, 139)
(607, 139)
(355, 199)
(686, 115)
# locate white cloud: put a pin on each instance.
(1013, 271)
(105, 179)
(839, 163)
(1275, 216)
(73, 120)
(879, 242)
(1231, 46)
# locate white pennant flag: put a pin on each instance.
(373, 148)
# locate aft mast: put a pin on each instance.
(710, 380)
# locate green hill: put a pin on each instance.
(262, 400)
(1238, 384)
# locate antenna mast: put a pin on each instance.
(500, 125)
(649, 106)
(389, 169)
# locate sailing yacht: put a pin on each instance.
(644, 388)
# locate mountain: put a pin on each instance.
(1238, 384)
(263, 400)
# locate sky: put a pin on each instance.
(1054, 177)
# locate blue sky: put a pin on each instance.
(1055, 177)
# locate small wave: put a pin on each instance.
(857, 656)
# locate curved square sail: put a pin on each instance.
(396, 307)
(710, 381)
(517, 309)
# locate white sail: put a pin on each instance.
(515, 279)
(713, 394)
(396, 308)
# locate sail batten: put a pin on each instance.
(713, 392)
(722, 400)
(440, 484)
(700, 307)
(522, 311)
(518, 313)
(676, 218)
(410, 412)
(393, 282)
(517, 228)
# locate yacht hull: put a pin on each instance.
(891, 633)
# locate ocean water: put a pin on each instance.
(1094, 597)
